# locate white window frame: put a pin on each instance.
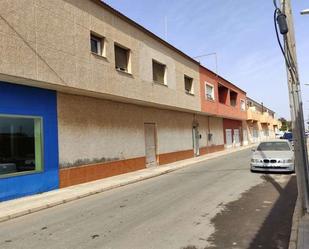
(191, 92)
(100, 44)
(244, 105)
(213, 91)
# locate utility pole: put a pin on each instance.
(298, 126)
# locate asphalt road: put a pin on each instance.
(202, 206)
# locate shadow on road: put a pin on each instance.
(276, 228)
(261, 218)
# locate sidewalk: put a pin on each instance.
(26, 205)
(303, 233)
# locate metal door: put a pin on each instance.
(150, 145)
(236, 138)
(228, 137)
(255, 135)
(245, 137)
(196, 140)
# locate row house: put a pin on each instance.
(261, 122)
(221, 98)
(87, 93)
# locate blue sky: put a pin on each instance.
(240, 32)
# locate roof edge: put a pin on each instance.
(140, 27)
(260, 104)
(154, 36)
(217, 75)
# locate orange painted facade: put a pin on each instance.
(223, 91)
(174, 156)
(92, 172)
(211, 149)
(87, 173)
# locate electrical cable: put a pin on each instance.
(291, 59)
(278, 38)
(287, 56)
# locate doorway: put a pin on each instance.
(236, 138)
(228, 137)
(196, 140)
(150, 144)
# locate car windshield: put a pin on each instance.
(273, 146)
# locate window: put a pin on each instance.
(122, 57)
(96, 44)
(20, 144)
(210, 94)
(158, 72)
(223, 93)
(233, 98)
(242, 105)
(188, 85)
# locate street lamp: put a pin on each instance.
(305, 12)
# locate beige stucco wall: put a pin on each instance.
(91, 129)
(261, 128)
(48, 43)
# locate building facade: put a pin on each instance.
(110, 97)
(87, 93)
(261, 122)
(223, 99)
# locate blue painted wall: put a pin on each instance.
(23, 100)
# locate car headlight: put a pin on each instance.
(253, 160)
(287, 161)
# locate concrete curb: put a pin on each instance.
(31, 204)
(295, 224)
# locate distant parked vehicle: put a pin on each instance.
(288, 136)
(279, 134)
(273, 156)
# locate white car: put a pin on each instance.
(279, 134)
(273, 156)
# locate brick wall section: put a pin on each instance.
(232, 124)
(214, 107)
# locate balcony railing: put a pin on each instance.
(266, 119)
(253, 115)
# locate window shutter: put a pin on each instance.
(158, 72)
(121, 58)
